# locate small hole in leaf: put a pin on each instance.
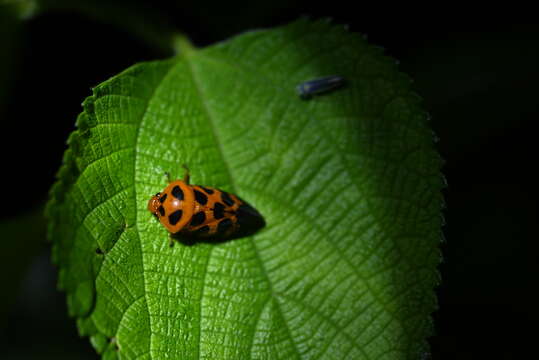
(114, 343)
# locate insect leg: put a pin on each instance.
(186, 174)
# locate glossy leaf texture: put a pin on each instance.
(348, 183)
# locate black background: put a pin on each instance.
(478, 80)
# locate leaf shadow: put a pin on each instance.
(245, 230)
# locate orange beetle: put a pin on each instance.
(201, 211)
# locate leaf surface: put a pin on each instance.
(348, 183)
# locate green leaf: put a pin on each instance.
(348, 183)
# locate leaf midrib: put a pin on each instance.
(209, 117)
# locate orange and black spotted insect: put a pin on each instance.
(201, 211)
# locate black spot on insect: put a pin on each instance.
(98, 251)
(158, 194)
(198, 218)
(208, 191)
(200, 197)
(177, 192)
(203, 230)
(224, 225)
(227, 199)
(175, 217)
(163, 198)
(161, 210)
(218, 211)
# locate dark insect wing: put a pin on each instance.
(249, 218)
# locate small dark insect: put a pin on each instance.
(318, 86)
